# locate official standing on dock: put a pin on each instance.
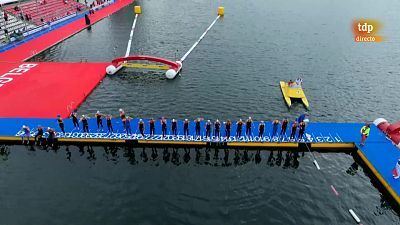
(364, 133)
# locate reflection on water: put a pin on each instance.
(4, 152)
(211, 156)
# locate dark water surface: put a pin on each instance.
(180, 186)
(234, 72)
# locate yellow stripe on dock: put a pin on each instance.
(12, 138)
(263, 144)
(89, 140)
(145, 66)
(333, 145)
(379, 176)
(164, 142)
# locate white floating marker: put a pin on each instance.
(201, 37)
(316, 164)
(355, 217)
(128, 48)
(334, 190)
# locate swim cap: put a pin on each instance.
(23, 126)
(121, 110)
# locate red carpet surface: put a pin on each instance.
(45, 89)
(24, 51)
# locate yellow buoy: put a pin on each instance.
(221, 11)
(137, 9)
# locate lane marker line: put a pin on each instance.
(334, 190)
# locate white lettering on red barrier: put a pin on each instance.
(21, 69)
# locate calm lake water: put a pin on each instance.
(233, 73)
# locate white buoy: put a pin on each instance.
(170, 74)
(355, 217)
(111, 69)
(379, 121)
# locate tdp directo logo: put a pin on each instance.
(366, 30)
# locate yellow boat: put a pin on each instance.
(295, 93)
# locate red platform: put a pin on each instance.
(45, 89)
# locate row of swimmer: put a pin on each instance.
(209, 126)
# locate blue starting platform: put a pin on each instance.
(316, 133)
(379, 154)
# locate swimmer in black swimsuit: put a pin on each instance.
(39, 135)
(99, 120)
(208, 129)
(109, 124)
(239, 125)
(186, 128)
(60, 123)
(249, 123)
(197, 126)
(85, 124)
(174, 127)
(261, 129)
(152, 127)
(228, 124)
(123, 117)
(74, 117)
(217, 126)
(164, 126)
(141, 127)
(51, 137)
